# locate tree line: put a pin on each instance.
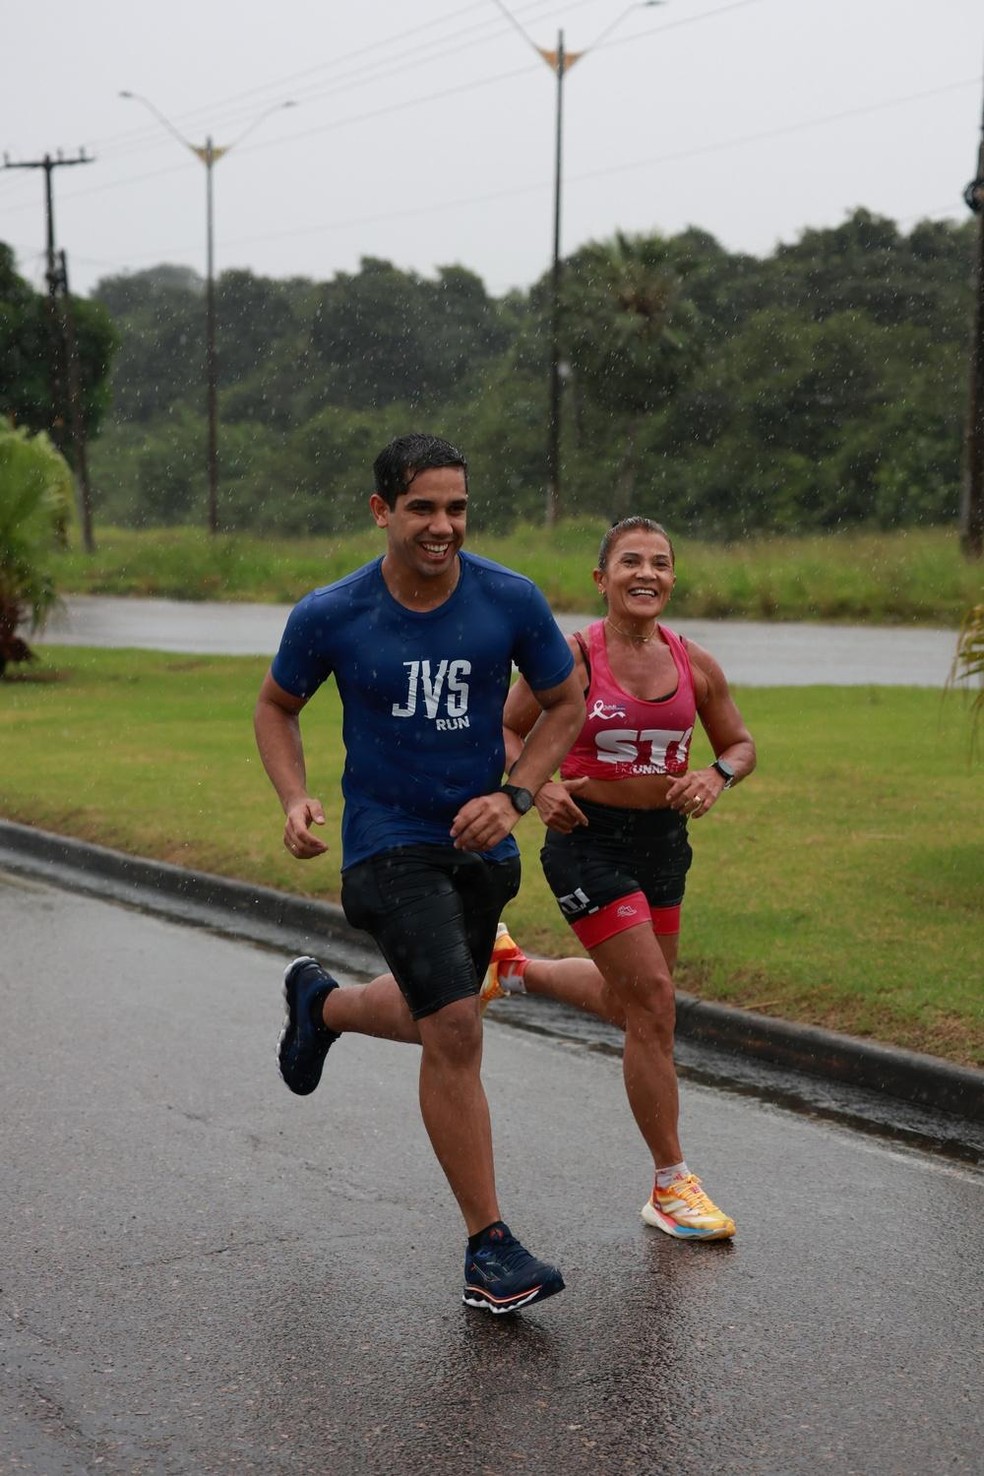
(824, 385)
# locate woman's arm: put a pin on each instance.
(726, 732)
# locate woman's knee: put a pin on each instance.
(649, 1003)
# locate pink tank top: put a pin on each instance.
(623, 736)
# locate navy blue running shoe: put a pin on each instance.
(502, 1276)
(305, 1039)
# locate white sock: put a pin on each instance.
(665, 1177)
(511, 981)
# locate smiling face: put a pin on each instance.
(637, 579)
(424, 531)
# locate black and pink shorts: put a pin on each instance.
(623, 868)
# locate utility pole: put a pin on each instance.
(559, 61)
(64, 370)
(972, 498)
(53, 278)
(76, 418)
(208, 155)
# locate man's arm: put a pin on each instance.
(555, 798)
(276, 723)
(552, 735)
(486, 820)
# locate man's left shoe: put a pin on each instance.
(505, 952)
(683, 1209)
(305, 1039)
(501, 1275)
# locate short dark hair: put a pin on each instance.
(405, 457)
(631, 525)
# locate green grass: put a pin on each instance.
(916, 577)
(843, 885)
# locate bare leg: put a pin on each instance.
(379, 1009)
(455, 1110)
(453, 1104)
(376, 1009)
(635, 972)
(575, 982)
(579, 983)
(628, 982)
(636, 996)
(669, 945)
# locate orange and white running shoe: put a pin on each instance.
(505, 952)
(684, 1210)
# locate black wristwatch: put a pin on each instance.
(520, 799)
(726, 771)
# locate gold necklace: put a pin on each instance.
(643, 640)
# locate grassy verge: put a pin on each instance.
(916, 577)
(841, 886)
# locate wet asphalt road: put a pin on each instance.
(753, 653)
(204, 1274)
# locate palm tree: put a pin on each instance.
(631, 332)
(35, 506)
(968, 662)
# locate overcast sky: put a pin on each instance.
(424, 132)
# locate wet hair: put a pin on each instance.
(630, 525)
(406, 457)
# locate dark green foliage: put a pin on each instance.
(26, 337)
(383, 335)
(35, 510)
(822, 386)
(161, 315)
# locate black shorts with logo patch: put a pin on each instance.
(617, 853)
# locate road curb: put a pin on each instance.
(292, 923)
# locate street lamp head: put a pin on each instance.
(276, 108)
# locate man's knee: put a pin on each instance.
(453, 1034)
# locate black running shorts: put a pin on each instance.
(619, 852)
(433, 912)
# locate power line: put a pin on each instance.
(766, 134)
(341, 75)
(514, 192)
(677, 156)
(381, 66)
(380, 69)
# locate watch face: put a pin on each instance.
(521, 799)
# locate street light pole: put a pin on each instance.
(209, 154)
(208, 157)
(560, 62)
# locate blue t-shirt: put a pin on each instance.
(422, 694)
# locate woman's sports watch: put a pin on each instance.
(726, 771)
(520, 799)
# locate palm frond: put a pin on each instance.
(967, 668)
